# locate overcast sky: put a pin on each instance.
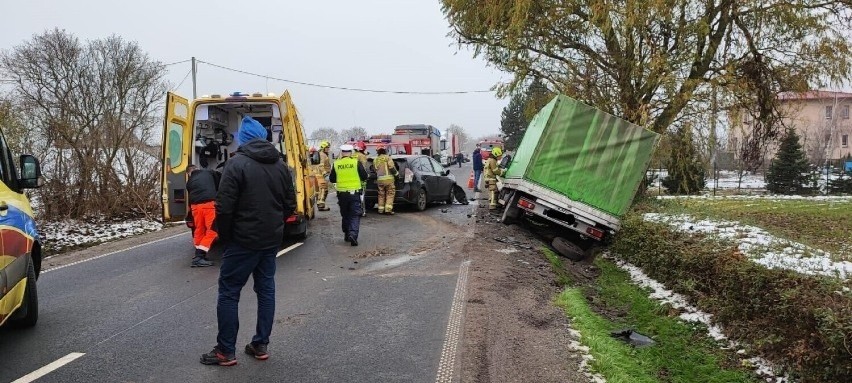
(377, 44)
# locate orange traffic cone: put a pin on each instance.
(470, 181)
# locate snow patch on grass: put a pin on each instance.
(769, 198)
(59, 236)
(692, 314)
(760, 246)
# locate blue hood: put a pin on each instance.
(249, 130)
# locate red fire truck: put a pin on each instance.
(486, 146)
(374, 142)
(421, 139)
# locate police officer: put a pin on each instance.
(323, 171)
(492, 170)
(348, 175)
(386, 174)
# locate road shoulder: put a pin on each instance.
(512, 330)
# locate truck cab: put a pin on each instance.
(202, 132)
(420, 139)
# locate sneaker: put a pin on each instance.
(323, 208)
(200, 262)
(346, 238)
(217, 357)
(353, 241)
(257, 350)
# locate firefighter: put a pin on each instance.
(322, 173)
(492, 170)
(386, 180)
(348, 176)
(362, 159)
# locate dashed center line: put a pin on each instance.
(111, 253)
(49, 368)
(288, 249)
(447, 366)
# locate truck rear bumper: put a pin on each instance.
(554, 211)
(555, 201)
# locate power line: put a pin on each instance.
(184, 79)
(343, 87)
(177, 62)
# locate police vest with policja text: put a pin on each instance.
(346, 170)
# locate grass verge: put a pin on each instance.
(822, 224)
(682, 353)
(801, 321)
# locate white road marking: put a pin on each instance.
(111, 253)
(287, 250)
(49, 368)
(447, 366)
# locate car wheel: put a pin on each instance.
(450, 198)
(421, 200)
(29, 307)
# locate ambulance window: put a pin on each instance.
(6, 171)
(175, 149)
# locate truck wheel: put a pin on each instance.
(511, 213)
(420, 203)
(29, 308)
(568, 249)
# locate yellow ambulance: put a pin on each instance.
(202, 132)
(20, 244)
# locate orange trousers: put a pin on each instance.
(203, 215)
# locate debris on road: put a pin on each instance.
(632, 337)
(377, 252)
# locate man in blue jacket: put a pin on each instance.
(478, 167)
(256, 195)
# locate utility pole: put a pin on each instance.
(194, 87)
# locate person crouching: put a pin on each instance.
(202, 185)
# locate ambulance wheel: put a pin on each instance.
(27, 315)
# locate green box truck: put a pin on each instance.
(578, 168)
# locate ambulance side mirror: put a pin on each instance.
(30, 172)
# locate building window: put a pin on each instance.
(844, 140)
(829, 110)
(844, 112)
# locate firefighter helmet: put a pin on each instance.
(497, 152)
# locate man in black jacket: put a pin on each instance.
(256, 195)
(202, 185)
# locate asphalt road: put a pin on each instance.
(373, 313)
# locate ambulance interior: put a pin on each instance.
(216, 126)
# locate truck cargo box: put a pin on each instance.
(584, 154)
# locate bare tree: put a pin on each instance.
(353, 133)
(328, 134)
(93, 108)
(461, 133)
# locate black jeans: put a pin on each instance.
(350, 211)
(237, 264)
